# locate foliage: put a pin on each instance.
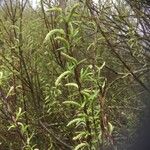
(72, 74)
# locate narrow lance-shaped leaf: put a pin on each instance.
(80, 146)
(90, 46)
(100, 68)
(11, 127)
(1, 77)
(110, 127)
(64, 41)
(72, 103)
(71, 28)
(10, 90)
(69, 57)
(72, 84)
(19, 113)
(79, 136)
(58, 9)
(76, 120)
(60, 77)
(80, 62)
(72, 12)
(73, 32)
(52, 32)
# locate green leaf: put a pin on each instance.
(79, 136)
(1, 77)
(73, 32)
(60, 77)
(90, 46)
(52, 32)
(110, 127)
(64, 41)
(102, 66)
(19, 113)
(24, 128)
(11, 127)
(71, 29)
(61, 49)
(94, 95)
(76, 120)
(30, 138)
(72, 103)
(72, 84)
(81, 145)
(86, 92)
(10, 91)
(69, 57)
(58, 9)
(80, 62)
(83, 104)
(72, 11)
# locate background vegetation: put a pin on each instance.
(73, 74)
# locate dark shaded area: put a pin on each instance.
(142, 142)
(141, 2)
